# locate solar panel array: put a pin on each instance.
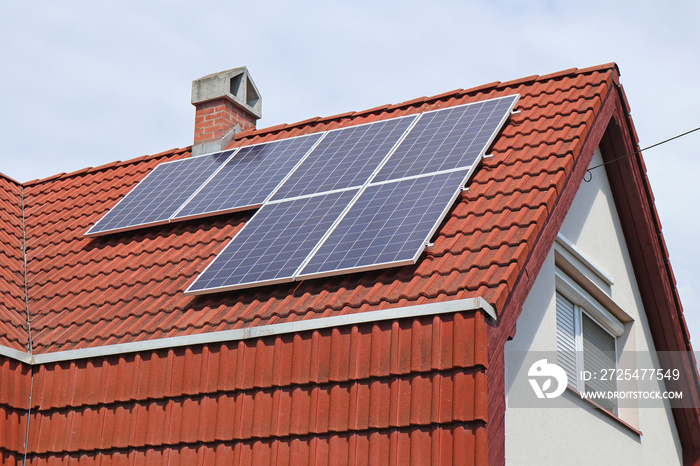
(357, 198)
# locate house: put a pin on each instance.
(105, 359)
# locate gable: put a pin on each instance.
(590, 254)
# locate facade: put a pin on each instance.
(104, 359)
(640, 432)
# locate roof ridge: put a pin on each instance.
(115, 164)
(417, 102)
(14, 261)
(25, 272)
(10, 179)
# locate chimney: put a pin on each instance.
(227, 103)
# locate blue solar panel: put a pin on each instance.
(249, 177)
(273, 244)
(388, 225)
(447, 139)
(358, 198)
(345, 158)
(160, 194)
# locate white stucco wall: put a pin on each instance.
(578, 434)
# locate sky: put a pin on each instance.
(85, 83)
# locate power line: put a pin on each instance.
(588, 172)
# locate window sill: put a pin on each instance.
(606, 412)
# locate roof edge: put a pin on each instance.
(10, 179)
(419, 310)
(417, 102)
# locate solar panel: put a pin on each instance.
(249, 177)
(273, 244)
(447, 139)
(388, 225)
(160, 194)
(345, 158)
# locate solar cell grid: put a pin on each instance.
(249, 177)
(273, 244)
(447, 139)
(345, 158)
(160, 193)
(389, 224)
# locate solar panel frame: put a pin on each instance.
(353, 154)
(409, 159)
(138, 200)
(244, 265)
(343, 232)
(201, 205)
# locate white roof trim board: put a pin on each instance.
(405, 312)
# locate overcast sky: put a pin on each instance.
(85, 83)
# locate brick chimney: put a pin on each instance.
(227, 103)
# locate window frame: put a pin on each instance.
(584, 304)
(596, 311)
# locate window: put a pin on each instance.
(586, 340)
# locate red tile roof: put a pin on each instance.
(426, 387)
(86, 292)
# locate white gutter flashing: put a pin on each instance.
(447, 307)
(16, 354)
